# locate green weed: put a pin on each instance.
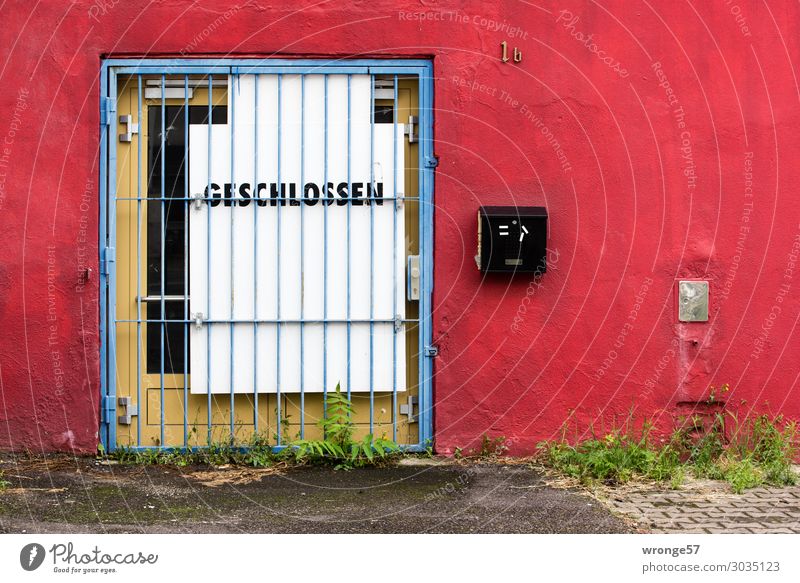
(745, 454)
(618, 457)
(256, 452)
(492, 447)
(338, 446)
(742, 474)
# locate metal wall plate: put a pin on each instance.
(692, 301)
(413, 278)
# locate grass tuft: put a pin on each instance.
(758, 451)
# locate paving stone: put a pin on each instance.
(761, 510)
(778, 519)
(756, 525)
(737, 530)
(722, 515)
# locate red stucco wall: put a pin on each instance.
(640, 192)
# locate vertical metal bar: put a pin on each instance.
(426, 252)
(325, 260)
(112, 269)
(140, 409)
(186, 210)
(105, 288)
(255, 255)
(278, 260)
(302, 251)
(396, 205)
(349, 204)
(234, 82)
(163, 237)
(371, 203)
(208, 255)
(423, 251)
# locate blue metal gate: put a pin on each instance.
(172, 322)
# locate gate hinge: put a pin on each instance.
(109, 257)
(107, 409)
(431, 350)
(108, 111)
(431, 161)
(411, 129)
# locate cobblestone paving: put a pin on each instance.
(709, 507)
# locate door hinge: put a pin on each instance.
(109, 257)
(107, 409)
(431, 161)
(431, 350)
(411, 129)
(108, 111)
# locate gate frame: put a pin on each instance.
(112, 67)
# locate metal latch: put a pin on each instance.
(431, 350)
(408, 409)
(130, 128)
(131, 410)
(413, 277)
(431, 161)
(412, 128)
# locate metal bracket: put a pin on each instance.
(398, 323)
(412, 128)
(198, 201)
(130, 128)
(431, 351)
(431, 161)
(198, 319)
(408, 409)
(131, 410)
(109, 257)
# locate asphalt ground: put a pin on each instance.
(66, 494)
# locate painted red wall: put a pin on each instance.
(636, 200)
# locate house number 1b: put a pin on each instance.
(504, 53)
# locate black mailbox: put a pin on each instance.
(512, 238)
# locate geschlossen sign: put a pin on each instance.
(293, 194)
(324, 244)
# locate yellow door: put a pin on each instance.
(152, 306)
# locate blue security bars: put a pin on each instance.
(168, 314)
